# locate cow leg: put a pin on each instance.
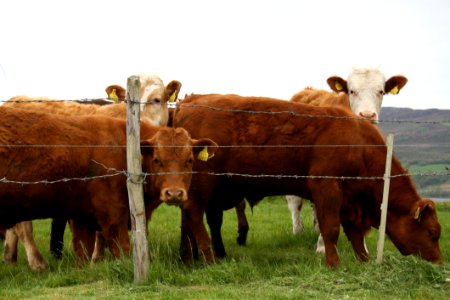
(25, 232)
(320, 246)
(214, 217)
(194, 222)
(99, 248)
(242, 223)
(295, 205)
(188, 245)
(10, 249)
(83, 240)
(57, 237)
(314, 215)
(118, 239)
(356, 238)
(327, 198)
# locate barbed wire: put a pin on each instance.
(228, 174)
(87, 100)
(282, 146)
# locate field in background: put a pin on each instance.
(274, 265)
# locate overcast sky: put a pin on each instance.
(74, 49)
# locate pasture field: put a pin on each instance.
(274, 265)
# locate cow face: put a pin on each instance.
(418, 232)
(157, 96)
(365, 89)
(169, 158)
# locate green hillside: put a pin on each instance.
(422, 143)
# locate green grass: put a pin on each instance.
(274, 265)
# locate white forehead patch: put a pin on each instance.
(366, 79)
(151, 84)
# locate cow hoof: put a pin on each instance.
(242, 239)
(297, 229)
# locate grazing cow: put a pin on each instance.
(273, 147)
(155, 112)
(97, 204)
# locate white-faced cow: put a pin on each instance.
(362, 93)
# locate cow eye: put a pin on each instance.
(352, 92)
(190, 161)
(157, 100)
(156, 161)
(381, 92)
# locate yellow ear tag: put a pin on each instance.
(394, 90)
(417, 214)
(113, 96)
(173, 97)
(203, 155)
(338, 86)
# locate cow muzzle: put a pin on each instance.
(369, 115)
(173, 196)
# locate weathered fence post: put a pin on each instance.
(135, 181)
(384, 204)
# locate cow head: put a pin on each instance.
(418, 232)
(157, 95)
(365, 89)
(169, 158)
(153, 97)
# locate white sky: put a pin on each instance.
(74, 49)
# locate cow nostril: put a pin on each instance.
(368, 115)
(174, 193)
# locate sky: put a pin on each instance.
(75, 49)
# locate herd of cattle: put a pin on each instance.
(66, 161)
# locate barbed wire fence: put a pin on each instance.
(445, 172)
(130, 175)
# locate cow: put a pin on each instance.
(71, 152)
(362, 93)
(275, 147)
(155, 112)
(153, 97)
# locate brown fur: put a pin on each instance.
(354, 204)
(322, 98)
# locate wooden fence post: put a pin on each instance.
(384, 204)
(135, 181)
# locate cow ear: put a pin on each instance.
(394, 84)
(116, 93)
(423, 207)
(204, 149)
(172, 90)
(337, 84)
(147, 147)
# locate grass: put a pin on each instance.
(274, 265)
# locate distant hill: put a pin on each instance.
(422, 143)
(418, 139)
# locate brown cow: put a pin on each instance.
(45, 159)
(273, 148)
(156, 112)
